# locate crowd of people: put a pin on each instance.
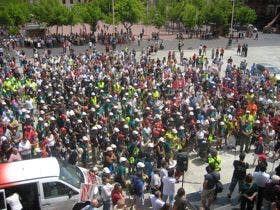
(41, 41)
(133, 116)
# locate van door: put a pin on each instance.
(57, 195)
(3, 204)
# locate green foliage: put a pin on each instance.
(188, 15)
(129, 12)
(51, 12)
(217, 12)
(156, 18)
(245, 15)
(89, 13)
(14, 13)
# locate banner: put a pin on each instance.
(88, 192)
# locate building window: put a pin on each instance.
(71, 2)
(63, 2)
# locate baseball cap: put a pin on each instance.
(109, 149)
(140, 165)
(123, 159)
(106, 170)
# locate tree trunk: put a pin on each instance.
(56, 29)
(71, 29)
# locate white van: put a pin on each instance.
(42, 184)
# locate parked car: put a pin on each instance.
(264, 68)
(43, 183)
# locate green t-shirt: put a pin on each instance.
(248, 189)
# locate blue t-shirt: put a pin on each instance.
(138, 184)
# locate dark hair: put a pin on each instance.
(262, 167)
(170, 172)
(165, 207)
(117, 185)
(248, 178)
(242, 156)
(181, 192)
(157, 194)
(213, 152)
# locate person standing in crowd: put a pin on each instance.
(248, 193)
(239, 173)
(155, 181)
(246, 130)
(169, 187)
(271, 192)
(122, 172)
(156, 201)
(209, 185)
(215, 159)
(138, 184)
(24, 149)
(259, 148)
(180, 200)
(106, 195)
(117, 194)
(15, 156)
(261, 178)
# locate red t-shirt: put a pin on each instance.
(116, 196)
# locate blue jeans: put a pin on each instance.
(107, 205)
(171, 199)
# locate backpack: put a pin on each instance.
(219, 187)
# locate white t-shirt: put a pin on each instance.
(163, 172)
(261, 178)
(14, 202)
(168, 185)
(50, 140)
(106, 191)
(155, 180)
(24, 147)
(157, 203)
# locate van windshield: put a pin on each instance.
(70, 174)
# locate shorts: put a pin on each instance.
(207, 194)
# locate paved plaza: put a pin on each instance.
(264, 50)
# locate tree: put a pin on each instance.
(73, 16)
(217, 12)
(245, 15)
(14, 14)
(50, 12)
(129, 12)
(156, 18)
(188, 15)
(90, 13)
